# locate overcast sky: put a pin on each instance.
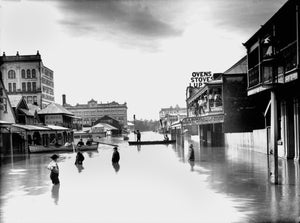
(142, 52)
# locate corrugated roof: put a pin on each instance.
(54, 108)
(105, 126)
(56, 127)
(31, 127)
(32, 108)
(15, 100)
(26, 112)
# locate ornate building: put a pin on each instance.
(27, 76)
(168, 116)
(92, 111)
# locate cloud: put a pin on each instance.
(128, 20)
(244, 15)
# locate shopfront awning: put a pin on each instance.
(30, 127)
(57, 128)
(203, 120)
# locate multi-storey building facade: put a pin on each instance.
(92, 111)
(273, 78)
(168, 116)
(27, 76)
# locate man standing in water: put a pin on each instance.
(53, 167)
(138, 136)
(116, 156)
(191, 156)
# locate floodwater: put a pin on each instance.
(152, 183)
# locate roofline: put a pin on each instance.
(241, 60)
(281, 10)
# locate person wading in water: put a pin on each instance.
(53, 167)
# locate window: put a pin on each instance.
(28, 86)
(11, 74)
(28, 73)
(33, 73)
(9, 87)
(29, 99)
(34, 86)
(3, 101)
(35, 100)
(23, 73)
(23, 86)
(14, 87)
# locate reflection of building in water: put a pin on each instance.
(27, 76)
(92, 111)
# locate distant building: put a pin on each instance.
(168, 116)
(93, 111)
(23, 113)
(55, 114)
(27, 76)
(6, 111)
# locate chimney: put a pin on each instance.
(63, 99)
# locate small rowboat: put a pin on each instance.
(131, 143)
(49, 149)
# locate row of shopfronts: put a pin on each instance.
(255, 103)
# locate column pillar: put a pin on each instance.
(296, 128)
(274, 133)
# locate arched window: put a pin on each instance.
(23, 73)
(11, 74)
(28, 73)
(33, 73)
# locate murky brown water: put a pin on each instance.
(152, 183)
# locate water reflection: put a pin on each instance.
(55, 193)
(192, 164)
(79, 167)
(116, 166)
(138, 148)
(229, 179)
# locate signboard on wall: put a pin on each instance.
(198, 79)
(53, 119)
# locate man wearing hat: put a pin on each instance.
(53, 167)
(116, 156)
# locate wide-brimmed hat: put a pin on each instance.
(54, 156)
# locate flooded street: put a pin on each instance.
(153, 183)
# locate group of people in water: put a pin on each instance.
(54, 169)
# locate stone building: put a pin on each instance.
(168, 116)
(26, 75)
(93, 111)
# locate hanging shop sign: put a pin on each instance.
(198, 79)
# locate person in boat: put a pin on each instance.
(138, 135)
(79, 158)
(69, 143)
(116, 156)
(53, 167)
(80, 143)
(166, 138)
(89, 141)
(191, 154)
